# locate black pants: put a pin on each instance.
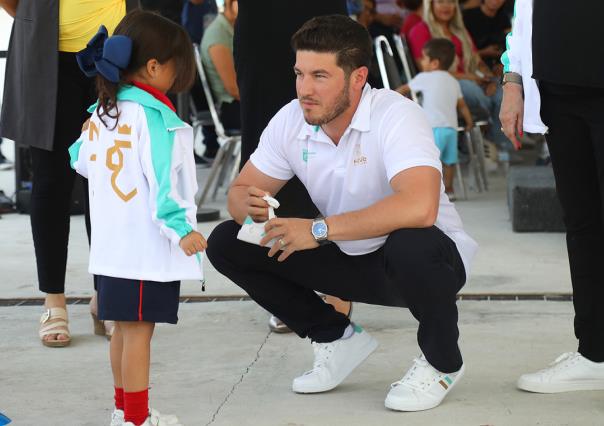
(576, 143)
(230, 115)
(417, 268)
(53, 178)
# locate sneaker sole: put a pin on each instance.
(396, 404)
(585, 385)
(366, 350)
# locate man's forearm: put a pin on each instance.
(381, 218)
(236, 203)
(10, 6)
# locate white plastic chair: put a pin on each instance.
(226, 164)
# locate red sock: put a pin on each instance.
(119, 398)
(136, 406)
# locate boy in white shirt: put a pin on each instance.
(442, 99)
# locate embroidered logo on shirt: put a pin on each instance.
(306, 154)
(359, 159)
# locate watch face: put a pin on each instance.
(319, 229)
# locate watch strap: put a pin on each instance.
(511, 77)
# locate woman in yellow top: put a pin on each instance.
(45, 101)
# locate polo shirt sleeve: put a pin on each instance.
(407, 139)
(270, 156)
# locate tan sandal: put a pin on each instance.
(56, 327)
(102, 328)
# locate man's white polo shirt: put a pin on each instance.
(388, 134)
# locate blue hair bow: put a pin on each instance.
(105, 55)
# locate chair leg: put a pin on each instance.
(234, 170)
(462, 183)
(216, 167)
(472, 165)
(227, 159)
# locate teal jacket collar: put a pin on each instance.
(134, 94)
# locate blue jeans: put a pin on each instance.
(487, 106)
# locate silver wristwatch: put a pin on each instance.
(511, 77)
(319, 230)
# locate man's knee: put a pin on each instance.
(425, 259)
(412, 250)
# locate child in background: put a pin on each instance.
(138, 158)
(442, 99)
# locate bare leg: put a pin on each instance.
(115, 355)
(448, 175)
(136, 354)
(340, 305)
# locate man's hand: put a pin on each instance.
(291, 235)
(512, 112)
(85, 125)
(257, 208)
(193, 243)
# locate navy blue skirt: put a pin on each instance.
(123, 299)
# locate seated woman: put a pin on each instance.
(481, 89)
(217, 57)
(415, 8)
(488, 25)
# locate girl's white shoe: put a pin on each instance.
(157, 419)
(117, 418)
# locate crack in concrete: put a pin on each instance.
(234, 387)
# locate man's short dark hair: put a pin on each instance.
(441, 49)
(337, 34)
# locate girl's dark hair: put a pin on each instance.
(153, 37)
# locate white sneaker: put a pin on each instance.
(157, 419)
(117, 417)
(571, 371)
(423, 387)
(334, 361)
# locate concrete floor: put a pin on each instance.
(221, 366)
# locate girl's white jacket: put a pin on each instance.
(518, 58)
(141, 183)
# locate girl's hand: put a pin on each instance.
(193, 243)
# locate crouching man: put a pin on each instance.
(388, 235)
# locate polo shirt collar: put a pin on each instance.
(361, 120)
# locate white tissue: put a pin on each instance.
(252, 232)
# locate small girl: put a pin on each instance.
(138, 158)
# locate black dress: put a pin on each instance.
(264, 63)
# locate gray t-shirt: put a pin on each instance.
(220, 32)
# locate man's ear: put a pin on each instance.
(152, 67)
(359, 77)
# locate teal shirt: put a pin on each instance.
(220, 32)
